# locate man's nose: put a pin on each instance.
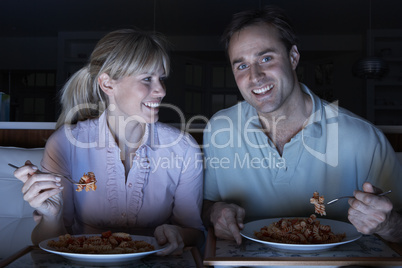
(256, 73)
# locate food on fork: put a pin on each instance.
(299, 231)
(87, 181)
(106, 243)
(318, 202)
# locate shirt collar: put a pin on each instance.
(105, 137)
(150, 139)
(313, 127)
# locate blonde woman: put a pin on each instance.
(149, 175)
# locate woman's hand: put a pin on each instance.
(41, 190)
(169, 234)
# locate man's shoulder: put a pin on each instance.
(354, 120)
(349, 122)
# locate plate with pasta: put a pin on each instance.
(99, 249)
(308, 234)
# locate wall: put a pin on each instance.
(41, 53)
(28, 53)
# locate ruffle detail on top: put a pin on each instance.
(142, 165)
(141, 168)
(112, 192)
(112, 187)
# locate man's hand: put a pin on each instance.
(227, 220)
(368, 212)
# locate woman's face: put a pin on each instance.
(137, 97)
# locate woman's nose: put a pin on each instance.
(159, 89)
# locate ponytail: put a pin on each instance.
(81, 99)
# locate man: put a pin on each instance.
(266, 156)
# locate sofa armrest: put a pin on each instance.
(16, 221)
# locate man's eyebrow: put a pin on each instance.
(259, 54)
(236, 61)
(268, 50)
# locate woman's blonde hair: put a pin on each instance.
(119, 54)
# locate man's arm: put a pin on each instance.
(371, 214)
(392, 230)
(227, 219)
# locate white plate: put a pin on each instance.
(337, 227)
(104, 259)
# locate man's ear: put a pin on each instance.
(294, 57)
(106, 84)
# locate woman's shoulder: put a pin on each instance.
(66, 131)
(168, 134)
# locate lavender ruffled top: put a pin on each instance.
(164, 184)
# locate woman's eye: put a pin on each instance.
(148, 79)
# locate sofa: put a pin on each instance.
(16, 221)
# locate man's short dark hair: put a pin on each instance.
(271, 15)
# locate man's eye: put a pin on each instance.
(242, 66)
(266, 59)
(148, 79)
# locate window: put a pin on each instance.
(209, 88)
(195, 89)
(32, 93)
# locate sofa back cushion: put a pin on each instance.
(399, 156)
(16, 221)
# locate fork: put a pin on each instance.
(336, 199)
(58, 175)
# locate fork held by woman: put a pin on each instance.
(57, 175)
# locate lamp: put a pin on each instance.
(370, 67)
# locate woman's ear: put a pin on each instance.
(106, 84)
(294, 57)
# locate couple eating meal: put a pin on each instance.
(109, 126)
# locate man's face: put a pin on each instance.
(263, 69)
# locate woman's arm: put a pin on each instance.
(178, 238)
(43, 192)
(186, 228)
(47, 227)
(55, 160)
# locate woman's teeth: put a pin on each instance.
(263, 90)
(152, 104)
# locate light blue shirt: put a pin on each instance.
(334, 155)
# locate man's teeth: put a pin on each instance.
(152, 104)
(263, 90)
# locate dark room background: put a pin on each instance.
(44, 41)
